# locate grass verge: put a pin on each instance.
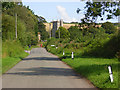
(12, 53)
(9, 62)
(96, 70)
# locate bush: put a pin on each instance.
(75, 33)
(109, 27)
(8, 27)
(12, 49)
(64, 33)
(118, 55)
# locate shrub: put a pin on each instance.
(109, 27)
(12, 49)
(75, 33)
(64, 33)
(118, 55)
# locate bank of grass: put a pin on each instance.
(9, 62)
(12, 53)
(94, 69)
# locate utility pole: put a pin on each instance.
(59, 33)
(16, 25)
(50, 29)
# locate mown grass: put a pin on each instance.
(9, 62)
(13, 53)
(94, 69)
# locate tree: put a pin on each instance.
(41, 19)
(99, 9)
(26, 25)
(64, 33)
(75, 33)
(109, 27)
(41, 28)
(8, 25)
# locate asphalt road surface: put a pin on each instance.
(43, 70)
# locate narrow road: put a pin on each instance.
(43, 70)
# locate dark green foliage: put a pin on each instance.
(8, 27)
(107, 49)
(109, 27)
(51, 41)
(99, 9)
(12, 49)
(41, 19)
(75, 33)
(103, 45)
(7, 5)
(27, 23)
(41, 28)
(64, 33)
(91, 42)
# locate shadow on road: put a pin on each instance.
(42, 58)
(45, 71)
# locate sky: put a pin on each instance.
(60, 10)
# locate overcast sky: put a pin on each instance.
(60, 10)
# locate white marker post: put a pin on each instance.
(111, 74)
(63, 53)
(72, 56)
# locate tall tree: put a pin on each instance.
(100, 9)
(42, 30)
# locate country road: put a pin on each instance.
(43, 70)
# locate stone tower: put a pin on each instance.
(61, 22)
(56, 25)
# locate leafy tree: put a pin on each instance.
(109, 27)
(41, 28)
(7, 5)
(99, 9)
(8, 27)
(22, 35)
(64, 33)
(27, 23)
(41, 19)
(75, 33)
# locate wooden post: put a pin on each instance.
(63, 53)
(72, 55)
(16, 25)
(59, 33)
(50, 29)
(111, 74)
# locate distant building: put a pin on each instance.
(56, 25)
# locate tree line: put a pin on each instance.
(94, 41)
(28, 24)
